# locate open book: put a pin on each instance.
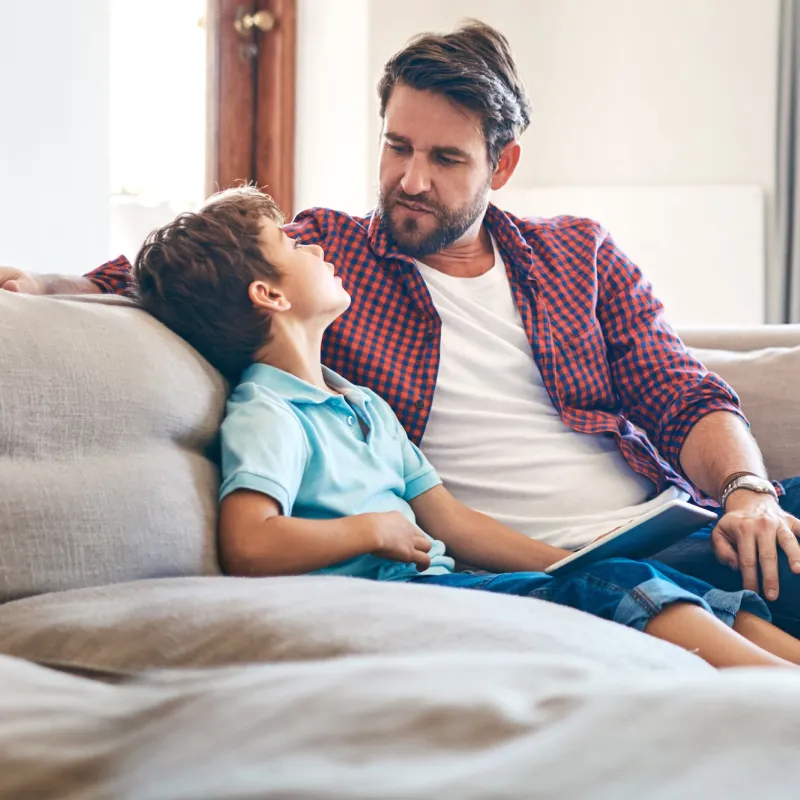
(642, 537)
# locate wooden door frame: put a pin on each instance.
(251, 128)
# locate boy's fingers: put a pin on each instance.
(422, 543)
(422, 560)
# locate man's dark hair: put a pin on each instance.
(473, 67)
(193, 275)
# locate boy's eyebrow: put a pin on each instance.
(444, 150)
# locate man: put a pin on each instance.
(528, 357)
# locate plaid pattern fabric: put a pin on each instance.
(609, 360)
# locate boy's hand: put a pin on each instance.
(398, 539)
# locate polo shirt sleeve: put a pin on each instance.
(418, 473)
(264, 449)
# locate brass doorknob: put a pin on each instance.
(244, 22)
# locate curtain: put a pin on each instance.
(783, 279)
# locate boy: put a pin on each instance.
(319, 476)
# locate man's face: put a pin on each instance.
(434, 171)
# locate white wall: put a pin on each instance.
(54, 136)
(333, 108)
(644, 94)
(624, 92)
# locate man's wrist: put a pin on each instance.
(743, 499)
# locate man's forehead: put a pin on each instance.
(431, 119)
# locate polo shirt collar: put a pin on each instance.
(294, 389)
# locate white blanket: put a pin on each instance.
(459, 725)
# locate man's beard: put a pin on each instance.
(452, 224)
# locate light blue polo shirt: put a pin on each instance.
(305, 448)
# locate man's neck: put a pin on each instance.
(472, 255)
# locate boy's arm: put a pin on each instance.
(256, 540)
(480, 541)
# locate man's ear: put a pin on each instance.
(506, 164)
(268, 296)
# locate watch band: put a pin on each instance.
(753, 483)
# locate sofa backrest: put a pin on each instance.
(762, 363)
(108, 427)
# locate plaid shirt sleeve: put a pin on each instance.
(662, 387)
(113, 277)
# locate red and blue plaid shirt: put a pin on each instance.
(608, 358)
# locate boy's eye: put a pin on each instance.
(297, 244)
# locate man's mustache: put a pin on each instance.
(415, 201)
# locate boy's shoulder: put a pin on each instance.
(250, 394)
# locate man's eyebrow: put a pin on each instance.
(441, 150)
(450, 150)
(396, 137)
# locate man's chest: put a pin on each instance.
(396, 340)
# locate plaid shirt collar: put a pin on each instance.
(512, 244)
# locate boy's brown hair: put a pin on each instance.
(193, 275)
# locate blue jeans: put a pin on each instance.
(628, 592)
(694, 556)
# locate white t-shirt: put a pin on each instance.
(495, 437)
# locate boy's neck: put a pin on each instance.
(299, 356)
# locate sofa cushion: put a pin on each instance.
(205, 622)
(108, 424)
(768, 384)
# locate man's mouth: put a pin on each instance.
(415, 207)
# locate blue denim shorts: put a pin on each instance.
(628, 592)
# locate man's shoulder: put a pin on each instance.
(324, 223)
(561, 227)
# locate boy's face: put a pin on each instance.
(309, 288)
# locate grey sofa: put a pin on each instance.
(131, 667)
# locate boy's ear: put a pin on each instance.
(268, 296)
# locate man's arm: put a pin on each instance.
(256, 540)
(692, 416)
(480, 541)
(113, 277)
(662, 387)
(748, 536)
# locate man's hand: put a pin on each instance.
(15, 280)
(748, 537)
(399, 539)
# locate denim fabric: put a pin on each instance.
(628, 592)
(694, 556)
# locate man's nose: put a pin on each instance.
(416, 179)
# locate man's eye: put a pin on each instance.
(396, 148)
(448, 162)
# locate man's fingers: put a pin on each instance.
(768, 559)
(748, 562)
(723, 549)
(787, 539)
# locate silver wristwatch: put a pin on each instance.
(750, 482)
